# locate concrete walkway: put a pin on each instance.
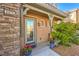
(44, 51)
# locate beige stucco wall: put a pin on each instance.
(72, 16)
(77, 16)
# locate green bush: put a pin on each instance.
(64, 32)
(76, 40)
(77, 26)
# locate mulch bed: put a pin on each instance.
(67, 51)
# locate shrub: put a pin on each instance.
(76, 40)
(64, 33)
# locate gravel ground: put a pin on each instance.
(67, 51)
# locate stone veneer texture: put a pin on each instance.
(9, 29)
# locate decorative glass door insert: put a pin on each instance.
(29, 30)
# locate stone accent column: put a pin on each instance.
(9, 29)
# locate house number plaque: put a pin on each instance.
(8, 11)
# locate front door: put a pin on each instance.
(29, 30)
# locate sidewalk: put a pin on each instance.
(44, 50)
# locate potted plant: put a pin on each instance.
(52, 44)
(54, 41)
(27, 50)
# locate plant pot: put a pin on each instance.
(28, 53)
(52, 45)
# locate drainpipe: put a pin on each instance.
(20, 28)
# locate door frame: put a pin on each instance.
(35, 30)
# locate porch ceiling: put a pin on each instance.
(56, 19)
(37, 13)
(48, 9)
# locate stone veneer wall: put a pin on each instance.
(9, 29)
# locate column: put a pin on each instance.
(50, 23)
(23, 11)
